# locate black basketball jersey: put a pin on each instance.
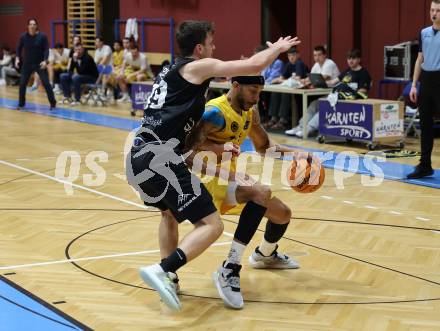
(174, 105)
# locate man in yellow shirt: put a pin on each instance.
(118, 59)
(118, 55)
(230, 119)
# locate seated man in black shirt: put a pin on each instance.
(355, 76)
(86, 73)
(280, 103)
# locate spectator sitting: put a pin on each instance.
(134, 69)
(274, 70)
(127, 44)
(281, 103)
(11, 74)
(58, 61)
(6, 61)
(329, 70)
(118, 59)
(118, 55)
(103, 57)
(86, 73)
(355, 77)
(324, 66)
(76, 40)
(270, 73)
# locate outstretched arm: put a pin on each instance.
(198, 71)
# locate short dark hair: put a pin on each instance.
(32, 19)
(59, 45)
(99, 38)
(134, 46)
(354, 53)
(321, 49)
(437, 2)
(119, 41)
(192, 33)
(292, 50)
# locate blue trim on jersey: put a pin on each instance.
(214, 116)
(392, 170)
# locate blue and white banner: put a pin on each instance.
(346, 120)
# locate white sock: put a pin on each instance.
(266, 248)
(235, 253)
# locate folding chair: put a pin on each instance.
(94, 88)
(412, 121)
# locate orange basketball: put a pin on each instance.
(306, 175)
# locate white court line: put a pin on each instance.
(12, 165)
(395, 212)
(91, 258)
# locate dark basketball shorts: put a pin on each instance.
(171, 187)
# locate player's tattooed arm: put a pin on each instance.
(258, 134)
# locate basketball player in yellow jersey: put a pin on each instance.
(230, 119)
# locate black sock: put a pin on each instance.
(173, 262)
(250, 218)
(274, 232)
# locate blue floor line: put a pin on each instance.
(19, 311)
(391, 170)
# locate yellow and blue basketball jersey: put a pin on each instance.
(235, 129)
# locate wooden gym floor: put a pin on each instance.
(369, 256)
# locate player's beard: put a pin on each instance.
(243, 104)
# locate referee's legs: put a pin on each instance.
(429, 104)
(427, 130)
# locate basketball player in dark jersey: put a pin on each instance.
(173, 109)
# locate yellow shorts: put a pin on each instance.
(111, 79)
(224, 196)
(128, 71)
(59, 66)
